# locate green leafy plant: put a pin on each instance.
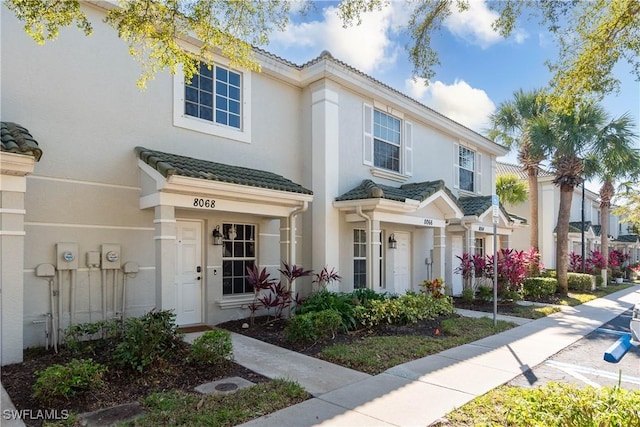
(579, 281)
(146, 339)
(433, 287)
(65, 381)
(484, 293)
(212, 347)
(408, 308)
(81, 337)
(467, 295)
(313, 326)
(539, 287)
(343, 304)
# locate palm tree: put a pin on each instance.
(511, 189)
(511, 126)
(569, 138)
(614, 159)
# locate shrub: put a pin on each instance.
(343, 304)
(579, 281)
(538, 287)
(301, 327)
(599, 280)
(212, 347)
(146, 339)
(485, 293)
(313, 326)
(64, 381)
(81, 337)
(408, 308)
(467, 295)
(364, 295)
(327, 323)
(433, 287)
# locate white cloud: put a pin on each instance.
(474, 25)
(368, 46)
(458, 101)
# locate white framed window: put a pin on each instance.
(359, 258)
(239, 253)
(216, 101)
(467, 169)
(387, 141)
(479, 247)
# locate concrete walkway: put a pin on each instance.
(419, 392)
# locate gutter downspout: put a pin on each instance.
(292, 236)
(369, 245)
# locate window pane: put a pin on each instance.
(466, 180)
(234, 107)
(221, 74)
(205, 70)
(238, 249)
(191, 109)
(227, 288)
(206, 85)
(191, 94)
(206, 99)
(234, 121)
(206, 113)
(221, 103)
(227, 269)
(221, 117)
(238, 285)
(234, 78)
(234, 93)
(222, 89)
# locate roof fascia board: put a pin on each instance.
(370, 204)
(456, 211)
(177, 183)
(16, 164)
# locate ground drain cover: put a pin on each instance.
(223, 386)
(226, 387)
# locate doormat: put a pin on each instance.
(195, 328)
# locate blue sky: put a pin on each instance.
(478, 69)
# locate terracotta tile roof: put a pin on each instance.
(509, 168)
(16, 139)
(172, 164)
(419, 191)
(477, 205)
(628, 238)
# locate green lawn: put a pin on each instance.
(374, 355)
(577, 298)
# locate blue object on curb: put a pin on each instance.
(617, 351)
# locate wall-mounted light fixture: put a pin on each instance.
(393, 244)
(217, 236)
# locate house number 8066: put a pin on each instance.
(204, 203)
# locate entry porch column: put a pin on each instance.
(165, 237)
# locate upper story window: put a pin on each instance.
(388, 143)
(467, 169)
(214, 102)
(214, 95)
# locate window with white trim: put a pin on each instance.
(214, 102)
(239, 253)
(479, 247)
(359, 258)
(388, 141)
(467, 169)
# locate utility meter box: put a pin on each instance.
(66, 256)
(110, 256)
(93, 259)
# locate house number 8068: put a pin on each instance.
(204, 203)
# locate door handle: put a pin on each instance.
(198, 278)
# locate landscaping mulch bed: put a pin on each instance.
(504, 307)
(272, 331)
(121, 385)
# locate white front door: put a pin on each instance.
(188, 272)
(401, 263)
(456, 278)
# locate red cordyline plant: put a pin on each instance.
(575, 263)
(326, 277)
(595, 261)
(617, 258)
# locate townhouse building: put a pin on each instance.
(620, 235)
(116, 201)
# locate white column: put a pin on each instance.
(439, 254)
(324, 172)
(375, 280)
(165, 239)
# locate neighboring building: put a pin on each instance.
(162, 198)
(549, 201)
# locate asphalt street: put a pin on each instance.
(583, 362)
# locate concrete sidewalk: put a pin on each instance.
(419, 392)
